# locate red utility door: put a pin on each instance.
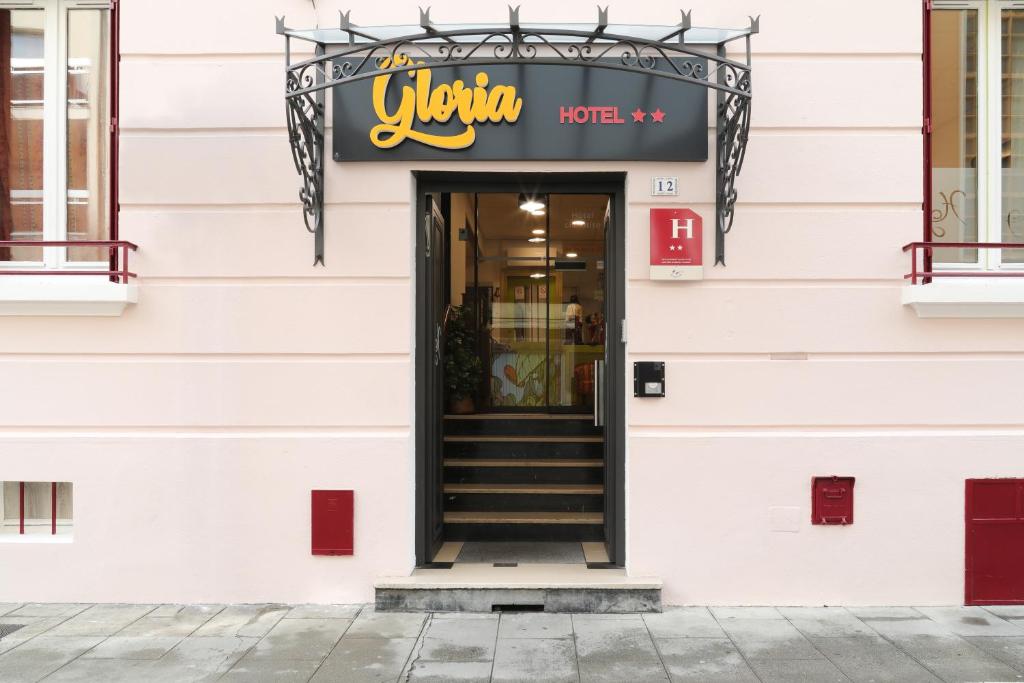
(995, 542)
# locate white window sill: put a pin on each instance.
(36, 538)
(64, 295)
(976, 298)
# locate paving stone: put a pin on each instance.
(825, 622)
(324, 612)
(450, 672)
(182, 623)
(373, 624)
(538, 660)
(797, 671)
(971, 621)
(1007, 650)
(101, 620)
(746, 613)
(469, 639)
(199, 659)
(258, 670)
(872, 659)
(49, 609)
(366, 660)
(175, 610)
(42, 655)
(1006, 611)
(133, 647)
(6, 607)
(683, 622)
(301, 639)
(534, 625)
(616, 650)
(769, 639)
(105, 670)
(885, 613)
(244, 621)
(30, 628)
(703, 660)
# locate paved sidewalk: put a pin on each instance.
(353, 643)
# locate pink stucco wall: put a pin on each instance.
(194, 425)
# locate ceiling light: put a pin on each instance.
(536, 239)
(579, 222)
(538, 231)
(537, 276)
(571, 254)
(538, 212)
(529, 204)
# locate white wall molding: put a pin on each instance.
(64, 295)
(967, 299)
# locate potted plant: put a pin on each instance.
(462, 366)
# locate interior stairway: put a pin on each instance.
(523, 477)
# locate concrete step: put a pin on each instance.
(536, 587)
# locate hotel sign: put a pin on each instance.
(677, 244)
(519, 111)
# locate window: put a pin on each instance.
(35, 511)
(55, 131)
(977, 138)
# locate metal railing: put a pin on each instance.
(929, 272)
(53, 508)
(117, 251)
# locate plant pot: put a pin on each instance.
(461, 406)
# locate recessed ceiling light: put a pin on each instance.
(571, 254)
(578, 222)
(529, 204)
(538, 231)
(537, 212)
(536, 239)
(537, 276)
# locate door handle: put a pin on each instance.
(598, 393)
(437, 345)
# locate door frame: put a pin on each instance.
(612, 184)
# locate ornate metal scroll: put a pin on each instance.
(364, 56)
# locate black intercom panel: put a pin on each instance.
(649, 379)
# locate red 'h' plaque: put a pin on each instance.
(676, 244)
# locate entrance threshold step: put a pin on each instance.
(461, 517)
(522, 416)
(495, 462)
(524, 439)
(469, 587)
(536, 489)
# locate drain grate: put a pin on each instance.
(506, 564)
(8, 629)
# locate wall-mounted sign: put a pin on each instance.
(676, 244)
(520, 111)
(664, 186)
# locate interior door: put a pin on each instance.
(610, 394)
(431, 411)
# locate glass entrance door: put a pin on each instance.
(534, 276)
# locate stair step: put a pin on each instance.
(522, 439)
(531, 450)
(522, 416)
(494, 462)
(459, 517)
(538, 489)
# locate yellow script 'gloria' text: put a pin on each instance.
(473, 105)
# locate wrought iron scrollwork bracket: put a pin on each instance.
(357, 55)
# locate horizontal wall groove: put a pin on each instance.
(817, 431)
(314, 279)
(206, 432)
(896, 282)
(830, 356)
(126, 205)
(207, 357)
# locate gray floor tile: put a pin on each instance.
(176, 610)
(199, 659)
(1006, 611)
(535, 660)
(522, 552)
(30, 628)
(703, 660)
(244, 621)
(49, 609)
(6, 607)
(769, 639)
(105, 670)
(947, 655)
(616, 650)
(797, 671)
(971, 621)
(826, 622)
(683, 622)
(101, 620)
(469, 639)
(450, 672)
(890, 613)
(366, 660)
(373, 624)
(259, 670)
(133, 647)
(1010, 650)
(36, 658)
(535, 625)
(324, 612)
(301, 639)
(183, 622)
(872, 659)
(746, 613)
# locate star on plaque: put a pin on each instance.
(658, 116)
(638, 115)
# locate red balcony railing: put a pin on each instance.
(117, 251)
(928, 249)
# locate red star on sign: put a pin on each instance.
(658, 116)
(638, 115)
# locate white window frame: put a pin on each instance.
(990, 124)
(55, 141)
